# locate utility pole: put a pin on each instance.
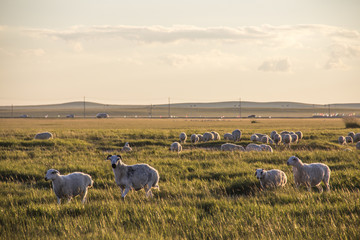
(239, 107)
(12, 110)
(329, 110)
(169, 108)
(151, 107)
(84, 108)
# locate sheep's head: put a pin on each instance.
(114, 160)
(293, 160)
(51, 174)
(259, 173)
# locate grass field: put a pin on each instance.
(204, 193)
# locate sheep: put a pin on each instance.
(284, 132)
(44, 136)
(310, 175)
(351, 134)
(253, 147)
(349, 139)
(208, 136)
(300, 135)
(183, 137)
(287, 139)
(271, 178)
(266, 148)
(254, 138)
(272, 134)
(265, 139)
(228, 136)
(194, 138)
(71, 185)
(175, 146)
(358, 145)
(277, 139)
(137, 177)
(236, 135)
(201, 137)
(126, 148)
(294, 138)
(232, 147)
(357, 137)
(342, 140)
(216, 136)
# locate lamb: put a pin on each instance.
(236, 135)
(183, 137)
(232, 147)
(71, 185)
(126, 148)
(137, 177)
(357, 137)
(310, 175)
(277, 139)
(194, 138)
(175, 146)
(271, 178)
(208, 136)
(349, 139)
(216, 136)
(44, 136)
(342, 140)
(228, 136)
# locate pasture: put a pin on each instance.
(204, 193)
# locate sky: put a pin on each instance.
(150, 51)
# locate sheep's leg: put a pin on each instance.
(83, 196)
(327, 186)
(148, 191)
(127, 189)
(59, 201)
(320, 188)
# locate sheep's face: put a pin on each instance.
(292, 160)
(114, 159)
(259, 173)
(51, 174)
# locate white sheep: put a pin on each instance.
(71, 185)
(277, 139)
(176, 147)
(310, 175)
(201, 137)
(228, 136)
(216, 135)
(232, 147)
(253, 147)
(287, 139)
(349, 139)
(272, 134)
(266, 148)
(351, 134)
(208, 136)
(254, 138)
(44, 136)
(294, 138)
(126, 148)
(265, 139)
(236, 135)
(357, 137)
(271, 178)
(183, 137)
(342, 140)
(194, 138)
(358, 145)
(300, 135)
(137, 177)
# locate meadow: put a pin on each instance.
(204, 193)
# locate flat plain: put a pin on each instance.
(204, 193)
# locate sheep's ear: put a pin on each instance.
(119, 157)
(107, 158)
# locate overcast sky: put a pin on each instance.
(143, 52)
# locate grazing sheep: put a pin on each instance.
(342, 140)
(183, 137)
(175, 146)
(71, 185)
(201, 137)
(351, 134)
(253, 147)
(254, 138)
(310, 175)
(294, 138)
(216, 136)
(358, 145)
(271, 141)
(137, 177)
(236, 135)
(287, 139)
(194, 138)
(348, 139)
(277, 139)
(126, 148)
(208, 136)
(272, 134)
(300, 135)
(357, 137)
(228, 136)
(284, 132)
(232, 147)
(266, 148)
(271, 178)
(265, 139)
(44, 136)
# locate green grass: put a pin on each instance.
(204, 193)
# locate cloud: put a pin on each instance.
(339, 52)
(275, 65)
(34, 52)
